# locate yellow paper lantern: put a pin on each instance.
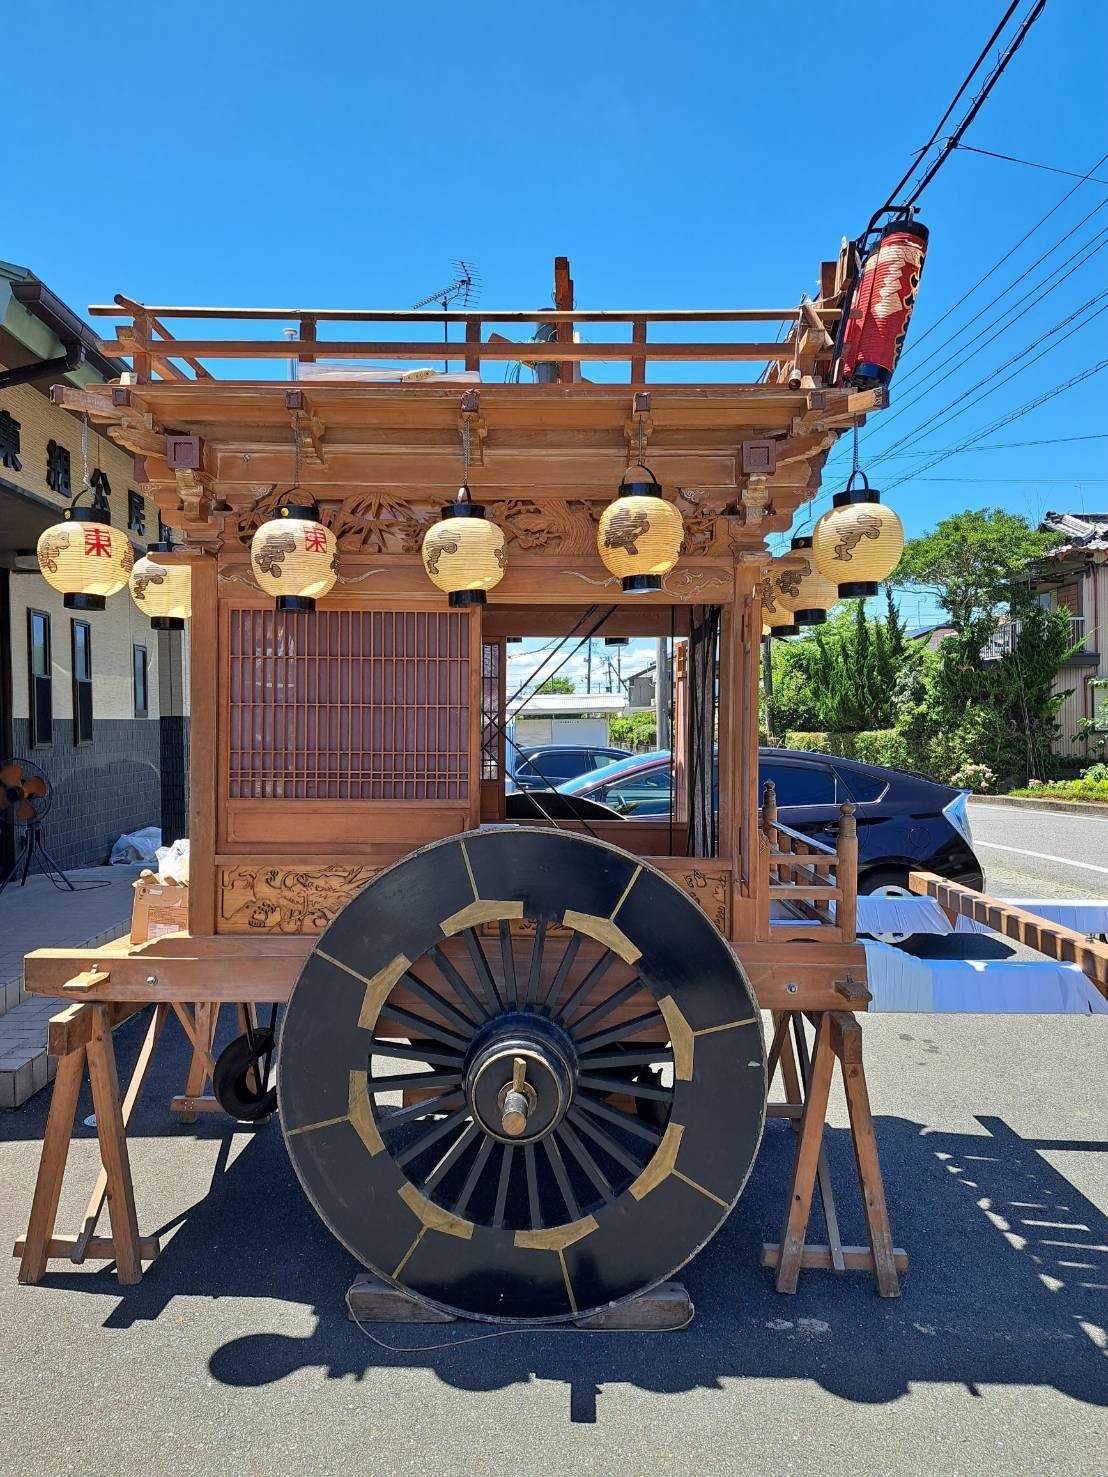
(859, 542)
(806, 592)
(777, 618)
(162, 591)
(641, 536)
(85, 558)
(294, 557)
(464, 554)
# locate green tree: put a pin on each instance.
(558, 684)
(973, 562)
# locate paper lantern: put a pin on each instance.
(464, 554)
(880, 306)
(859, 542)
(294, 557)
(806, 592)
(777, 618)
(85, 558)
(641, 536)
(162, 591)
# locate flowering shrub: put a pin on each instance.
(1095, 772)
(971, 776)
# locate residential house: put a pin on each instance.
(95, 698)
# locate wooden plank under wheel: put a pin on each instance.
(586, 1085)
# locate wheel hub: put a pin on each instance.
(519, 1078)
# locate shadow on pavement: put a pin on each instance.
(1006, 1285)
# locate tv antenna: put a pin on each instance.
(463, 290)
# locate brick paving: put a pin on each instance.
(41, 916)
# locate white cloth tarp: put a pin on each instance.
(901, 982)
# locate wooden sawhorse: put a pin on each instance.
(807, 1083)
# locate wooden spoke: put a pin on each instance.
(432, 998)
(508, 963)
(565, 1135)
(562, 971)
(482, 970)
(625, 1087)
(594, 976)
(457, 982)
(621, 1119)
(534, 1205)
(507, 1159)
(423, 1027)
(417, 1110)
(616, 1033)
(536, 962)
(404, 1080)
(432, 1135)
(557, 1164)
(406, 1051)
(606, 1142)
(452, 1155)
(484, 1149)
(649, 1056)
(604, 1009)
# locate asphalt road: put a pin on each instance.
(234, 1353)
(1033, 854)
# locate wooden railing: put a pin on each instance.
(153, 350)
(820, 881)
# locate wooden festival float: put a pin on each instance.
(575, 1000)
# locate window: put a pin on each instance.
(136, 513)
(142, 706)
(799, 784)
(1098, 701)
(40, 678)
(57, 469)
(9, 443)
(862, 786)
(553, 765)
(81, 643)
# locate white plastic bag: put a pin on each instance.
(137, 846)
(173, 862)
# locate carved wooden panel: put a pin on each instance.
(284, 899)
(707, 882)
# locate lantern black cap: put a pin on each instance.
(802, 541)
(462, 599)
(295, 602)
(784, 631)
(857, 590)
(163, 546)
(299, 510)
(641, 584)
(646, 487)
(98, 513)
(852, 494)
(812, 617)
(463, 505)
(166, 623)
(83, 602)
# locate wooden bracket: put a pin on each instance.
(755, 500)
(638, 428)
(307, 426)
(469, 414)
(86, 979)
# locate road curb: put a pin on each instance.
(1024, 802)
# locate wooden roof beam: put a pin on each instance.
(484, 315)
(130, 343)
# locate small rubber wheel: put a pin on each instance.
(237, 1095)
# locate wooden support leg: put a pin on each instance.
(51, 1168)
(113, 1149)
(823, 1169)
(789, 1073)
(205, 1019)
(872, 1185)
(807, 1159)
(780, 1020)
(134, 1087)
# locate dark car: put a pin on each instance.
(905, 822)
(547, 766)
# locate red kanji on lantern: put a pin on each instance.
(98, 541)
(315, 540)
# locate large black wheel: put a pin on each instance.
(522, 1075)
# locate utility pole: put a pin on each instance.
(663, 682)
(588, 666)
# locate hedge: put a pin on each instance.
(884, 746)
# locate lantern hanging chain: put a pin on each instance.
(854, 457)
(84, 451)
(295, 450)
(465, 451)
(641, 443)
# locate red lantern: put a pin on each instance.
(881, 306)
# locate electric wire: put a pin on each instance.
(1030, 163)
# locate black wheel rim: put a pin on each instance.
(559, 965)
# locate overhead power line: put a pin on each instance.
(1006, 445)
(1006, 420)
(1031, 164)
(914, 346)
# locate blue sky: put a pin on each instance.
(692, 155)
